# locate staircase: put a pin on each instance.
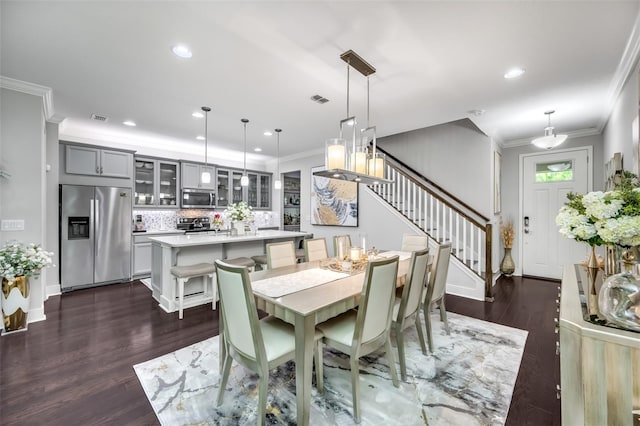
(441, 216)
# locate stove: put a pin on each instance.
(194, 224)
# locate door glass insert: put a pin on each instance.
(556, 171)
(223, 188)
(144, 182)
(168, 184)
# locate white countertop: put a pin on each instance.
(190, 240)
(160, 232)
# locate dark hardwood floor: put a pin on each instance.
(75, 368)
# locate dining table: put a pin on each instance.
(307, 294)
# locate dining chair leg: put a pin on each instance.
(226, 369)
(263, 381)
(317, 358)
(443, 315)
(423, 346)
(401, 354)
(355, 386)
(391, 361)
(427, 323)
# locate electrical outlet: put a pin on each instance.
(12, 225)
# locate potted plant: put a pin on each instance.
(17, 263)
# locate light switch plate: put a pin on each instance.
(12, 225)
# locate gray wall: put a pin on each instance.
(622, 126)
(457, 156)
(23, 195)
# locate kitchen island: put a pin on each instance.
(189, 249)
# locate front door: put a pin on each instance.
(546, 179)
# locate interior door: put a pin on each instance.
(547, 178)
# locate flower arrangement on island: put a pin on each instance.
(239, 212)
(598, 218)
(19, 260)
(217, 220)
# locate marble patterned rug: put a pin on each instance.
(467, 381)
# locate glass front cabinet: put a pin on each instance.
(229, 189)
(156, 183)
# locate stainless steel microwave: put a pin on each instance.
(198, 199)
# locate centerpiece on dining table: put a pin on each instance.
(355, 260)
(239, 214)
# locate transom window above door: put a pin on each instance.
(554, 172)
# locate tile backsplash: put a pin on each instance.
(160, 220)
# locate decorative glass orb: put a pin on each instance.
(619, 299)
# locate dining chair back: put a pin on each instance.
(412, 242)
(436, 289)
(365, 331)
(341, 243)
(281, 254)
(315, 249)
(259, 345)
(406, 308)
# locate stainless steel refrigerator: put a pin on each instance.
(95, 236)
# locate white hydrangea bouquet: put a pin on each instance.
(17, 259)
(239, 212)
(598, 218)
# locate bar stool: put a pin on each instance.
(261, 260)
(242, 261)
(184, 273)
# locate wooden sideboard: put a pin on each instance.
(599, 365)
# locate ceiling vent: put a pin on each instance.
(319, 99)
(98, 117)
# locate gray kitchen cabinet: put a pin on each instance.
(257, 194)
(157, 183)
(142, 259)
(84, 160)
(191, 173)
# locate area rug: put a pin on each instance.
(468, 380)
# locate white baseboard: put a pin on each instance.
(53, 290)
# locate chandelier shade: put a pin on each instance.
(550, 139)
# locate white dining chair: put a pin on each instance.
(315, 249)
(406, 309)
(412, 242)
(259, 345)
(359, 333)
(281, 254)
(343, 241)
(436, 289)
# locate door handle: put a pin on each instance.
(526, 225)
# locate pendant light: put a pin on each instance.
(352, 162)
(205, 176)
(277, 183)
(244, 180)
(550, 139)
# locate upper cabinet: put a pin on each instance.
(229, 189)
(156, 183)
(191, 175)
(83, 160)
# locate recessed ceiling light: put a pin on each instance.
(514, 73)
(258, 149)
(476, 112)
(129, 123)
(197, 114)
(181, 51)
(200, 138)
(267, 133)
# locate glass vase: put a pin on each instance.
(619, 298)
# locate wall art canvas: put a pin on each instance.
(334, 202)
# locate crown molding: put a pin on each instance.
(591, 131)
(36, 90)
(626, 68)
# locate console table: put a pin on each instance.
(599, 365)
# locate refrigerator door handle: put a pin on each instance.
(96, 221)
(92, 211)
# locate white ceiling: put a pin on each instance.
(263, 60)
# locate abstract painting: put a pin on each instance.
(334, 202)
